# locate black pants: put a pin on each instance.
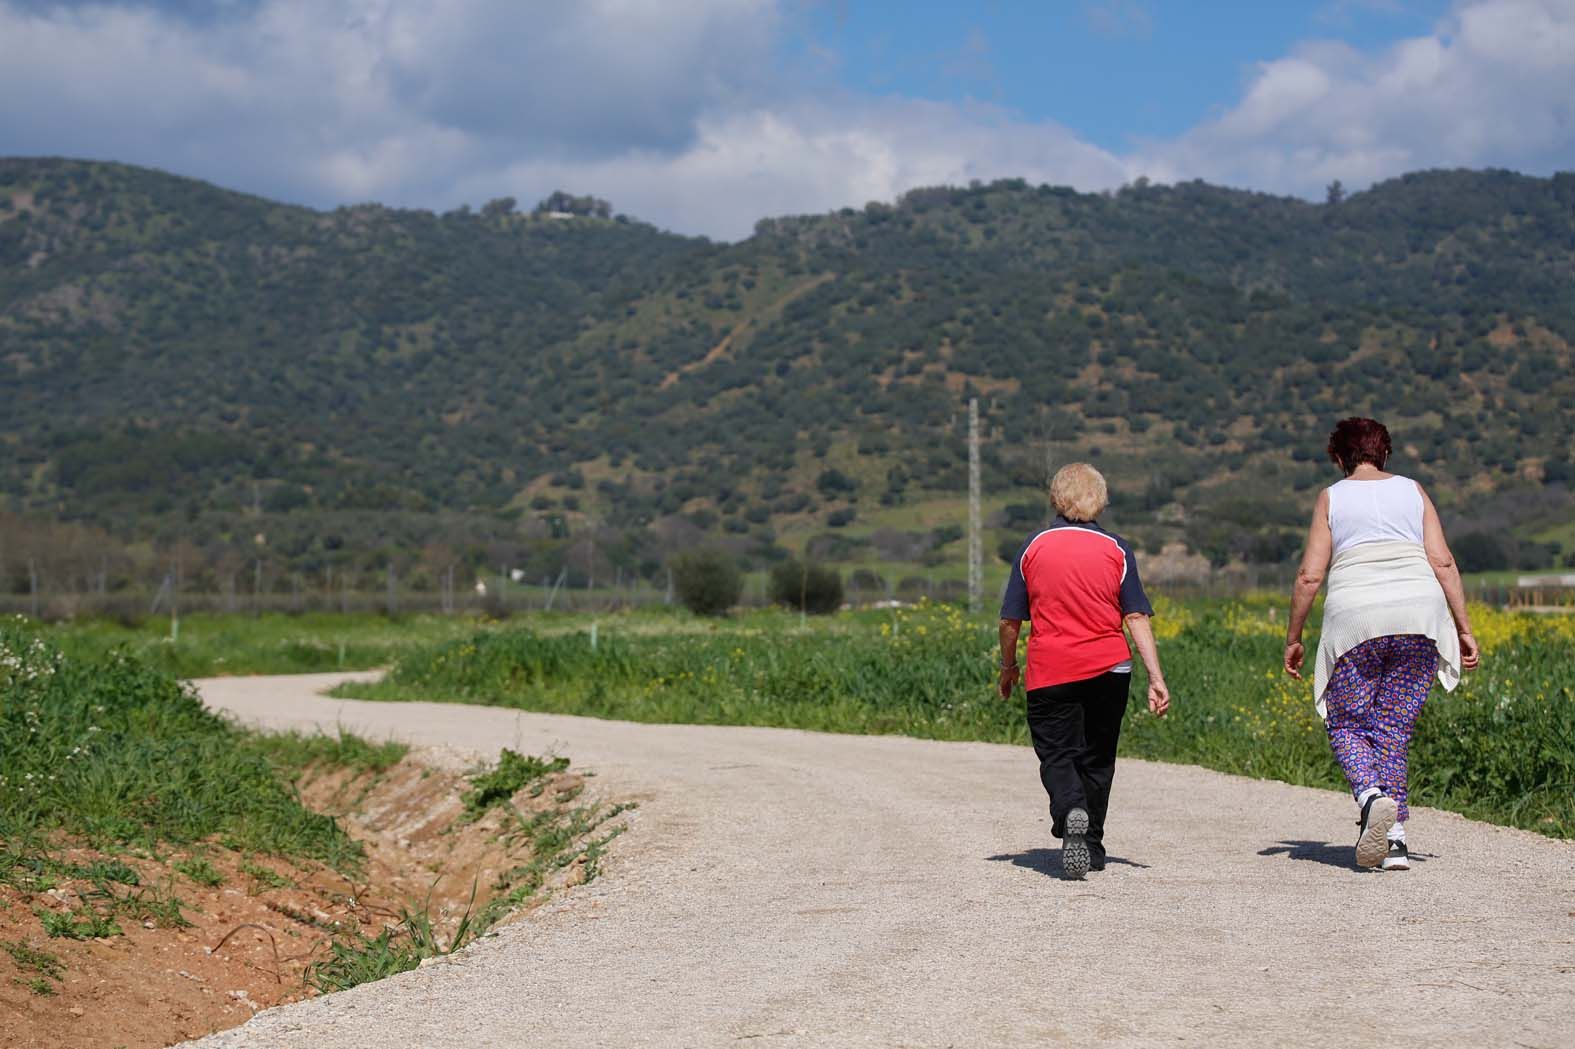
(1075, 727)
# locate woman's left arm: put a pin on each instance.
(1142, 632)
(1309, 580)
(1448, 575)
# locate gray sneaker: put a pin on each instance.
(1372, 844)
(1074, 844)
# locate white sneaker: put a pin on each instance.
(1398, 858)
(1372, 844)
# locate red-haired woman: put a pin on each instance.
(1395, 617)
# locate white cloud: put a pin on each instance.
(1493, 85)
(684, 112)
(327, 98)
(747, 165)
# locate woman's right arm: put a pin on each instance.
(1309, 580)
(1448, 573)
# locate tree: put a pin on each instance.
(1481, 552)
(568, 203)
(502, 207)
(806, 586)
(707, 581)
(834, 482)
(1335, 193)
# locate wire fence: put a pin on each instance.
(503, 595)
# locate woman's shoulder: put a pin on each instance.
(1121, 541)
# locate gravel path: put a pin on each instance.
(784, 888)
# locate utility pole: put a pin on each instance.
(974, 543)
(175, 597)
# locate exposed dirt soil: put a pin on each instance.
(252, 936)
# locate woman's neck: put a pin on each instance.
(1367, 472)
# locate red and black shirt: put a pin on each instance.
(1074, 582)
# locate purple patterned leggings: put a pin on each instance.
(1374, 696)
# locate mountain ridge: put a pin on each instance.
(180, 360)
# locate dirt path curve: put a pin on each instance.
(784, 888)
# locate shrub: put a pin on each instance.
(947, 533)
(866, 579)
(834, 482)
(806, 586)
(707, 581)
(1481, 552)
(513, 773)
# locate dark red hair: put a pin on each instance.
(1355, 441)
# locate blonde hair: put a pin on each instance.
(1078, 492)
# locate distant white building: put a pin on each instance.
(1545, 580)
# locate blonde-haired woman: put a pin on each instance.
(1078, 585)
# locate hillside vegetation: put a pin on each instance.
(567, 391)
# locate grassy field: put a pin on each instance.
(1500, 748)
(106, 757)
(211, 645)
(112, 752)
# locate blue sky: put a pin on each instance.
(1117, 73)
(706, 115)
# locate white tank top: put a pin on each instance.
(1375, 512)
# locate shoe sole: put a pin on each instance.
(1395, 865)
(1373, 845)
(1075, 857)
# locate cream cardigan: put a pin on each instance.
(1377, 589)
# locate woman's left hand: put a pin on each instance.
(1294, 655)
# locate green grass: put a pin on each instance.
(111, 751)
(1500, 748)
(512, 774)
(294, 752)
(104, 751)
(264, 877)
(199, 871)
(84, 924)
(211, 645)
(46, 968)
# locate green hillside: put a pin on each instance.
(184, 363)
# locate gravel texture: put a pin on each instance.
(782, 888)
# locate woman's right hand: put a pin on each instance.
(1294, 654)
(1158, 697)
(1470, 654)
